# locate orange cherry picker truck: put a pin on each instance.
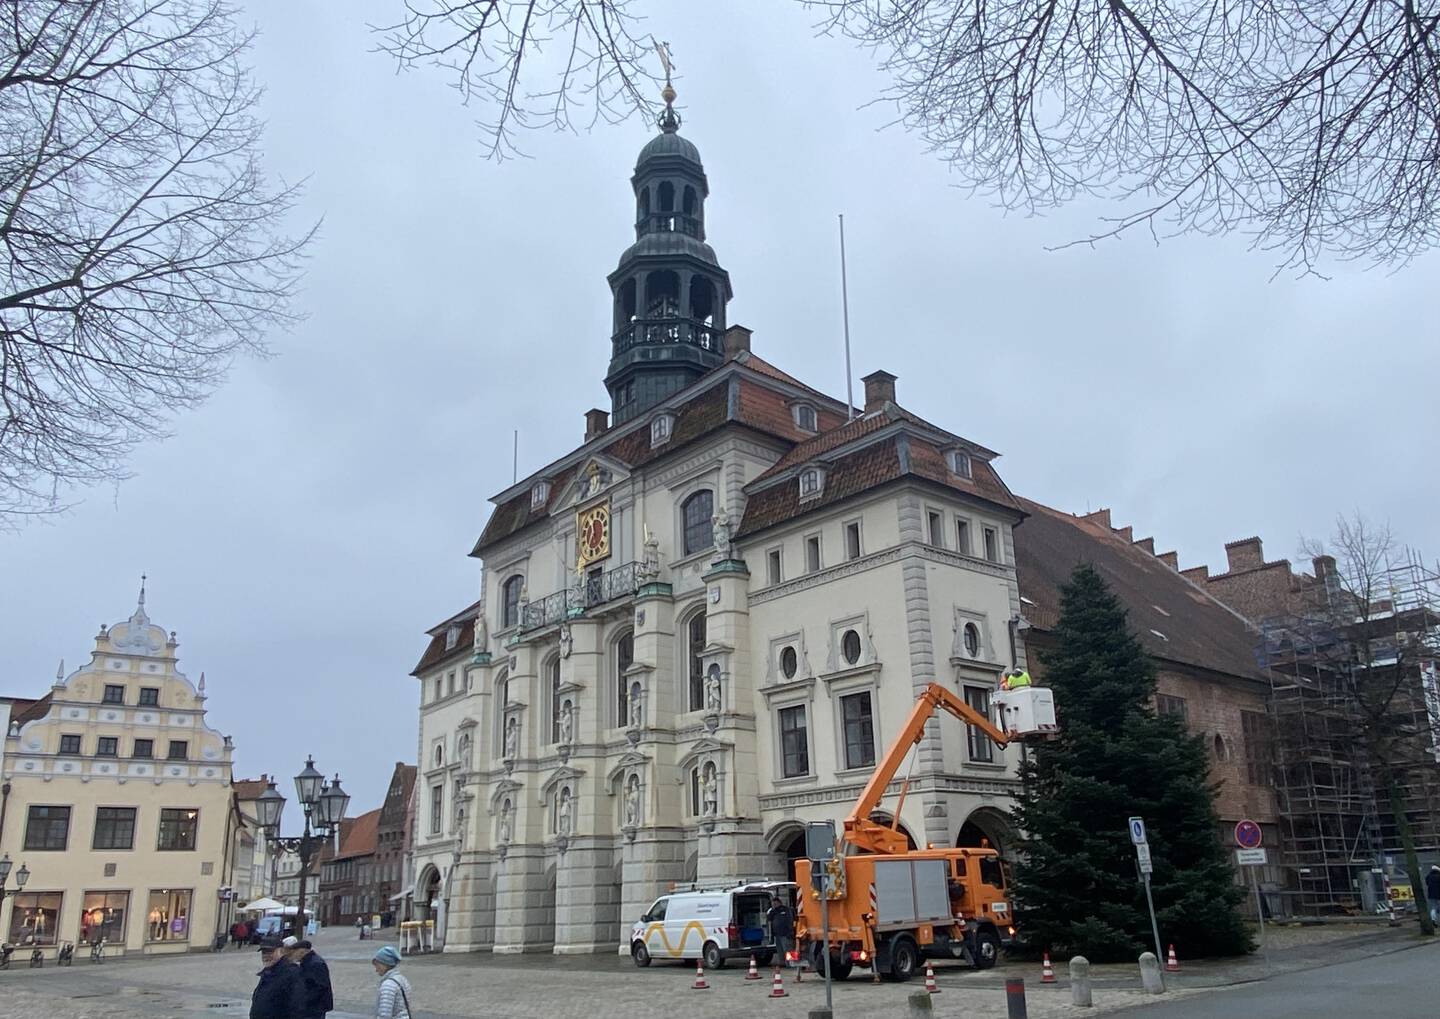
(889, 906)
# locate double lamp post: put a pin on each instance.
(324, 804)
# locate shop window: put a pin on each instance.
(102, 917)
(168, 918)
(34, 918)
(178, 826)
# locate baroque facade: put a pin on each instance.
(118, 800)
(699, 629)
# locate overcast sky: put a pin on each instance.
(304, 528)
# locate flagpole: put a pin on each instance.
(845, 313)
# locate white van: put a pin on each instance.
(712, 925)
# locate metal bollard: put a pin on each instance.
(1080, 992)
(921, 1005)
(1150, 976)
(1015, 999)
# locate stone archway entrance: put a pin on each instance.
(427, 902)
(988, 828)
(787, 844)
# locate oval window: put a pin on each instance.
(789, 663)
(972, 640)
(850, 646)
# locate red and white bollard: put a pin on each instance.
(1172, 964)
(1047, 972)
(699, 984)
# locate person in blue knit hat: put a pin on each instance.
(393, 999)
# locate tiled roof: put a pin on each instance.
(249, 788)
(359, 839)
(1197, 630)
(868, 468)
(437, 652)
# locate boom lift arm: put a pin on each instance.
(870, 836)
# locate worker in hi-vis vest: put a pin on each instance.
(1015, 679)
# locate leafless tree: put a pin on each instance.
(142, 247)
(1313, 126)
(1378, 608)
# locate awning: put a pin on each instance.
(261, 906)
(399, 896)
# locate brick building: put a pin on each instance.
(345, 879)
(387, 876)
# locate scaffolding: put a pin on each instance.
(1340, 846)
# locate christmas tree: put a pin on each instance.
(1076, 886)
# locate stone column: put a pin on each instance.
(521, 922)
(930, 755)
(470, 923)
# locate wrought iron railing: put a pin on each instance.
(666, 330)
(668, 223)
(596, 589)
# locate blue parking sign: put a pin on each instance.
(1137, 830)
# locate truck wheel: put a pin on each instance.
(640, 953)
(904, 958)
(839, 970)
(987, 949)
(714, 958)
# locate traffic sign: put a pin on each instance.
(1247, 835)
(1142, 853)
(1137, 830)
(1250, 857)
(820, 841)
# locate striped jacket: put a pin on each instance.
(390, 1003)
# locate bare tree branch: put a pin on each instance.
(142, 248)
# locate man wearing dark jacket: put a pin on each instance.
(314, 980)
(279, 994)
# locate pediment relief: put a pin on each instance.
(558, 777)
(705, 747)
(594, 478)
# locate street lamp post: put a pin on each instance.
(324, 804)
(21, 876)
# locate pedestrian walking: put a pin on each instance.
(782, 928)
(1432, 892)
(393, 998)
(279, 994)
(314, 979)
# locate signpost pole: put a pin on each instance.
(1154, 927)
(1260, 915)
(1140, 839)
(825, 922)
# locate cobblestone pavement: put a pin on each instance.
(586, 987)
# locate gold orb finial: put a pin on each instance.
(668, 93)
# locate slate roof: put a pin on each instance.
(436, 652)
(1198, 630)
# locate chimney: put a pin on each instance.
(735, 341)
(879, 390)
(1324, 566)
(1199, 574)
(597, 422)
(1245, 554)
(1148, 544)
(1170, 559)
(1100, 516)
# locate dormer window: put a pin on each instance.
(959, 462)
(660, 429)
(452, 637)
(805, 418)
(812, 482)
(539, 494)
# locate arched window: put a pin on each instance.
(694, 646)
(624, 658)
(689, 203)
(1221, 751)
(439, 754)
(555, 699)
(510, 601)
(697, 511)
(644, 202)
(667, 196)
(502, 698)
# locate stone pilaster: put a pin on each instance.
(470, 919)
(587, 898)
(524, 904)
(649, 867)
(920, 632)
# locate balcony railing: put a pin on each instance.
(595, 590)
(665, 330)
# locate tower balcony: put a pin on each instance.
(599, 588)
(668, 223)
(682, 332)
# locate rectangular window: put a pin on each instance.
(109, 746)
(450, 681)
(178, 826)
(936, 522)
(47, 828)
(794, 742)
(812, 554)
(1168, 705)
(439, 692)
(852, 540)
(981, 747)
(774, 567)
(144, 749)
(114, 694)
(69, 744)
(102, 917)
(992, 545)
(695, 805)
(437, 801)
(1258, 766)
(168, 918)
(114, 828)
(962, 536)
(34, 918)
(149, 696)
(859, 730)
(179, 750)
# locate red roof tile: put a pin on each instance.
(359, 840)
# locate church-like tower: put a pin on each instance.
(669, 289)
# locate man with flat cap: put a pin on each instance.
(314, 979)
(280, 993)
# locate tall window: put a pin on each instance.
(812, 554)
(859, 730)
(980, 746)
(34, 918)
(114, 828)
(697, 511)
(992, 545)
(695, 644)
(555, 700)
(178, 826)
(794, 742)
(624, 658)
(935, 521)
(852, 540)
(114, 694)
(47, 828)
(168, 918)
(774, 567)
(437, 805)
(510, 601)
(1256, 728)
(962, 536)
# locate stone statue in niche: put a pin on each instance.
(481, 641)
(564, 815)
(720, 527)
(507, 822)
(567, 640)
(632, 802)
(712, 690)
(512, 739)
(637, 706)
(650, 558)
(710, 791)
(567, 724)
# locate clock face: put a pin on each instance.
(592, 528)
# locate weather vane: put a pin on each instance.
(669, 119)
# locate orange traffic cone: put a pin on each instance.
(1047, 972)
(699, 984)
(777, 986)
(930, 979)
(1172, 964)
(754, 973)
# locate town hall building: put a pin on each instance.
(698, 630)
